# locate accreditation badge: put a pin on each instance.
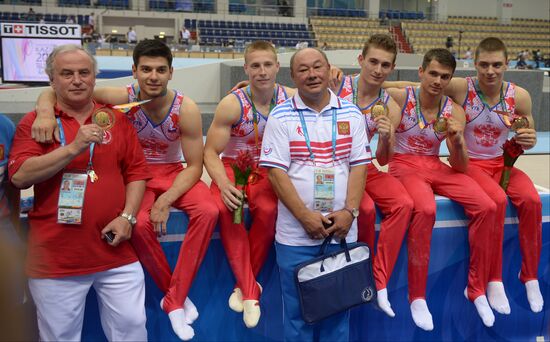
(71, 197)
(323, 189)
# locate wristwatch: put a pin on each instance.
(353, 211)
(131, 218)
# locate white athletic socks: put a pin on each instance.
(421, 314)
(177, 319)
(497, 297)
(191, 312)
(251, 312)
(534, 296)
(236, 300)
(483, 309)
(384, 303)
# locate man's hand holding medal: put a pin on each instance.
(379, 114)
(525, 136)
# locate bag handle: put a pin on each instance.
(343, 245)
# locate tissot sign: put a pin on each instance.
(36, 30)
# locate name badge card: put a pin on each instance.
(71, 198)
(323, 189)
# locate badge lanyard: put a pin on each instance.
(90, 168)
(422, 123)
(255, 113)
(355, 92)
(484, 100)
(306, 134)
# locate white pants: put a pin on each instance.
(120, 291)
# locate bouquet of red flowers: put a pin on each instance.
(242, 168)
(511, 152)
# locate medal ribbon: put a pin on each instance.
(422, 122)
(255, 112)
(63, 142)
(355, 91)
(127, 106)
(504, 114)
(306, 134)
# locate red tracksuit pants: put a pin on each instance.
(247, 251)
(396, 205)
(526, 199)
(423, 176)
(203, 215)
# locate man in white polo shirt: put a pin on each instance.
(316, 149)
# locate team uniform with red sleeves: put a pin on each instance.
(247, 252)
(59, 254)
(416, 164)
(387, 193)
(485, 133)
(162, 148)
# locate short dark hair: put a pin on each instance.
(152, 48)
(309, 48)
(442, 56)
(491, 44)
(381, 41)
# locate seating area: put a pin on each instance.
(345, 33)
(520, 35)
(205, 6)
(397, 14)
(48, 18)
(222, 33)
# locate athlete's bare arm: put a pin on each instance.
(190, 124)
(455, 139)
(457, 89)
(44, 128)
(398, 95)
(386, 132)
(227, 113)
(526, 137)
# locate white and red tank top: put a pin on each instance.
(242, 133)
(410, 138)
(486, 129)
(348, 91)
(160, 142)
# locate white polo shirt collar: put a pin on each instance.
(298, 103)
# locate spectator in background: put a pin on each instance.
(131, 36)
(325, 46)
(185, 35)
(468, 53)
(91, 21)
(521, 63)
(70, 20)
(31, 15)
(284, 8)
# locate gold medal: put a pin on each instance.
(440, 126)
(379, 109)
(104, 118)
(519, 123)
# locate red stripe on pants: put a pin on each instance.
(203, 215)
(526, 199)
(423, 176)
(396, 206)
(247, 252)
